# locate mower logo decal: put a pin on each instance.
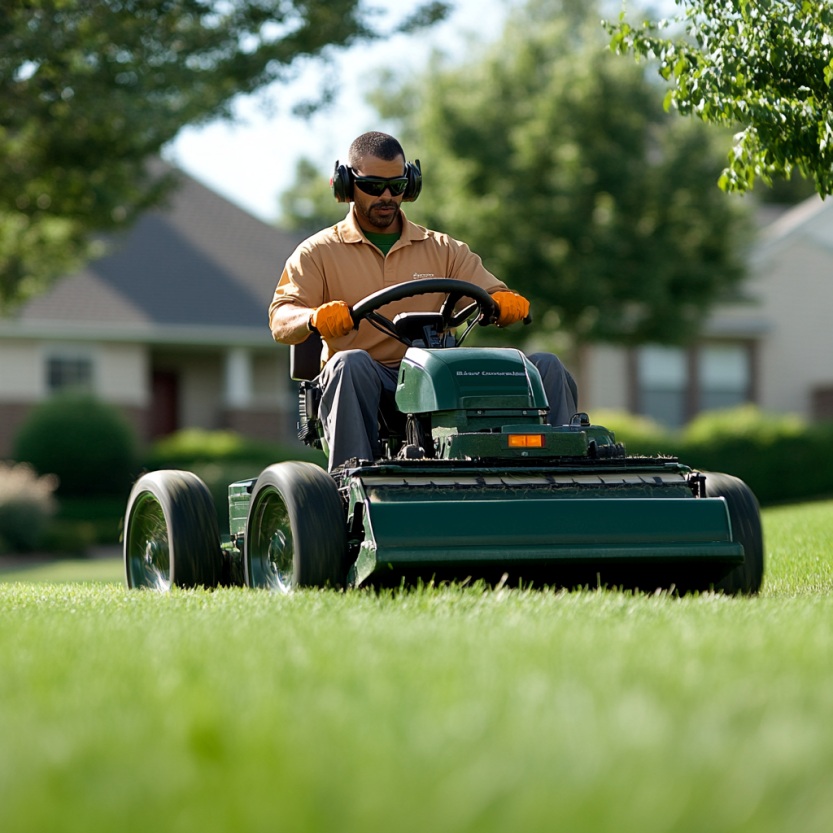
(490, 373)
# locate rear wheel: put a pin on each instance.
(745, 516)
(171, 536)
(295, 530)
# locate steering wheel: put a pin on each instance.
(483, 304)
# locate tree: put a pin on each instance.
(308, 204)
(556, 162)
(90, 91)
(766, 65)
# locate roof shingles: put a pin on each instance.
(199, 261)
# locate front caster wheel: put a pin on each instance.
(171, 536)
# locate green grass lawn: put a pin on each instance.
(435, 710)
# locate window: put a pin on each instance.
(723, 375)
(674, 384)
(662, 374)
(69, 372)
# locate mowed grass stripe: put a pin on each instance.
(440, 709)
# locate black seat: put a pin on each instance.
(304, 366)
(305, 358)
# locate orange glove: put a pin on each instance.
(332, 320)
(511, 307)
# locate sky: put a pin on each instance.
(251, 160)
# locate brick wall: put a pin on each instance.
(269, 424)
(822, 402)
(12, 415)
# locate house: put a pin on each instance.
(170, 325)
(773, 347)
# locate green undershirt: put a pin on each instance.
(384, 242)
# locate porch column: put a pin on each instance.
(238, 383)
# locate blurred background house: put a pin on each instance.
(170, 325)
(772, 347)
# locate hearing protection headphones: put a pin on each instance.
(342, 182)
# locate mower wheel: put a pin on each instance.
(745, 516)
(171, 536)
(295, 532)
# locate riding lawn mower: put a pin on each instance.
(470, 482)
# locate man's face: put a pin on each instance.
(380, 214)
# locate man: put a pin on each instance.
(373, 247)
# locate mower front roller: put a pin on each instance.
(745, 517)
(619, 528)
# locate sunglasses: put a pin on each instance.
(377, 185)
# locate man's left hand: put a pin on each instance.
(511, 307)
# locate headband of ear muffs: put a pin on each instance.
(342, 182)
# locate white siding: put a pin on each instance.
(21, 371)
(604, 379)
(796, 289)
(122, 374)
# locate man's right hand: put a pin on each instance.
(332, 320)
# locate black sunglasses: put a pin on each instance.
(377, 185)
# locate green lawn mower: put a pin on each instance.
(471, 483)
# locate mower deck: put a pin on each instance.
(572, 521)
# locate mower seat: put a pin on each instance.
(305, 358)
(304, 366)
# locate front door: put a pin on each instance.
(164, 415)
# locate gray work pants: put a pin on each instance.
(351, 387)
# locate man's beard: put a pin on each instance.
(381, 221)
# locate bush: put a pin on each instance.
(99, 520)
(68, 538)
(26, 506)
(640, 434)
(746, 423)
(195, 445)
(221, 458)
(779, 456)
(198, 445)
(86, 443)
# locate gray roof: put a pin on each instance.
(198, 269)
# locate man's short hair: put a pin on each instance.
(375, 144)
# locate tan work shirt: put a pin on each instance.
(341, 264)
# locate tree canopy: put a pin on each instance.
(308, 204)
(765, 65)
(91, 91)
(556, 162)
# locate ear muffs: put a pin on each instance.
(413, 170)
(341, 182)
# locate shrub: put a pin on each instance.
(68, 538)
(86, 443)
(98, 519)
(640, 434)
(221, 458)
(195, 445)
(745, 423)
(779, 456)
(26, 506)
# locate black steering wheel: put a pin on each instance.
(483, 306)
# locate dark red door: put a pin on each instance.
(164, 416)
